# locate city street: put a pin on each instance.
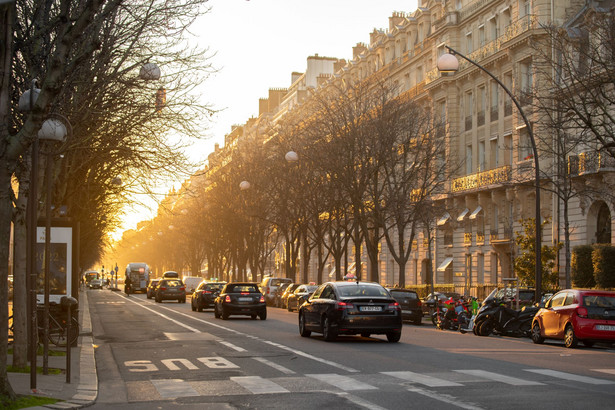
(152, 355)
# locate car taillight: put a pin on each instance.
(262, 299)
(344, 305)
(244, 293)
(418, 303)
(182, 288)
(163, 288)
(394, 306)
(582, 312)
(227, 299)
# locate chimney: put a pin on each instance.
(358, 49)
(263, 106)
(396, 19)
(338, 65)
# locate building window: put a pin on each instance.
(495, 97)
(469, 159)
(507, 101)
(525, 8)
(481, 36)
(481, 156)
(525, 147)
(469, 43)
(527, 83)
(469, 106)
(494, 152)
(482, 103)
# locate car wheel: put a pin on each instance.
(263, 315)
(366, 334)
(193, 308)
(418, 322)
(224, 314)
(536, 336)
(216, 313)
(587, 343)
(199, 308)
(302, 329)
(570, 339)
(290, 309)
(182, 300)
(253, 316)
(327, 330)
(393, 337)
(158, 300)
(149, 296)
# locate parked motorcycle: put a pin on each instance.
(494, 317)
(452, 315)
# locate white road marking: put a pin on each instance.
(342, 382)
(608, 371)
(499, 378)
(258, 385)
(359, 401)
(309, 356)
(170, 364)
(453, 401)
(274, 365)
(570, 376)
(171, 388)
(422, 379)
(232, 346)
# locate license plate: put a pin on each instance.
(605, 327)
(370, 308)
(245, 299)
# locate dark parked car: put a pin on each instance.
(205, 295)
(575, 315)
(169, 289)
(411, 305)
(429, 306)
(240, 298)
(288, 290)
(270, 285)
(350, 308)
(300, 295)
(151, 288)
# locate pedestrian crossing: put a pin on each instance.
(242, 385)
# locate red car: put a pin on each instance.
(576, 315)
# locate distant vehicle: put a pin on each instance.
(89, 275)
(411, 306)
(170, 274)
(428, 305)
(139, 274)
(240, 298)
(350, 308)
(269, 287)
(205, 294)
(289, 288)
(95, 284)
(572, 315)
(151, 288)
(169, 289)
(300, 295)
(192, 282)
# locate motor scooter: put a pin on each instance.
(495, 317)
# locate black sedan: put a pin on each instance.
(300, 295)
(350, 308)
(240, 298)
(151, 288)
(410, 304)
(205, 295)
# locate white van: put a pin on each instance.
(192, 282)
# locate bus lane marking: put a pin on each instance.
(279, 346)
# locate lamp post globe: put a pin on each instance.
(291, 156)
(244, 185)
(448, 63)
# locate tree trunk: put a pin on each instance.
(20, 290)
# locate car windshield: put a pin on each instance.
(362, 289)
(242, 288)
(600, 301)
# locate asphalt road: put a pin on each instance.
(158, 356)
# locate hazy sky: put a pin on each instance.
(257, 44)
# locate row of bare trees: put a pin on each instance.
(370, 160)
(86, 56)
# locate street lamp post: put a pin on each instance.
(449, 63)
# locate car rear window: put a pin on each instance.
(278, 282)
(173, 283)
(242, 288)
(600, 301)
(407, 295)
(363, 290)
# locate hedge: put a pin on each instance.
(582, 267)
(603, 260)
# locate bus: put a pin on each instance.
(89, 275)
(139, 273)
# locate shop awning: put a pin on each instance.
(444, 219)
(463, 215)
(445, 264)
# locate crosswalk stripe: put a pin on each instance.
(570, 376)
(258, 385)
(499, 377)
(171, 388)
(342, 382)
(422, 379)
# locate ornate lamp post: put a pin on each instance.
(448, 63)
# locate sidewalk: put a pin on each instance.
(83, 387)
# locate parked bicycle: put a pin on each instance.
(59, 332)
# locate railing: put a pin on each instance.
(502, 235)
(480, 118)
(480, 179)
(590, 162)
(494, 114)
(467, 238)
(508, 108)
(480, 237)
